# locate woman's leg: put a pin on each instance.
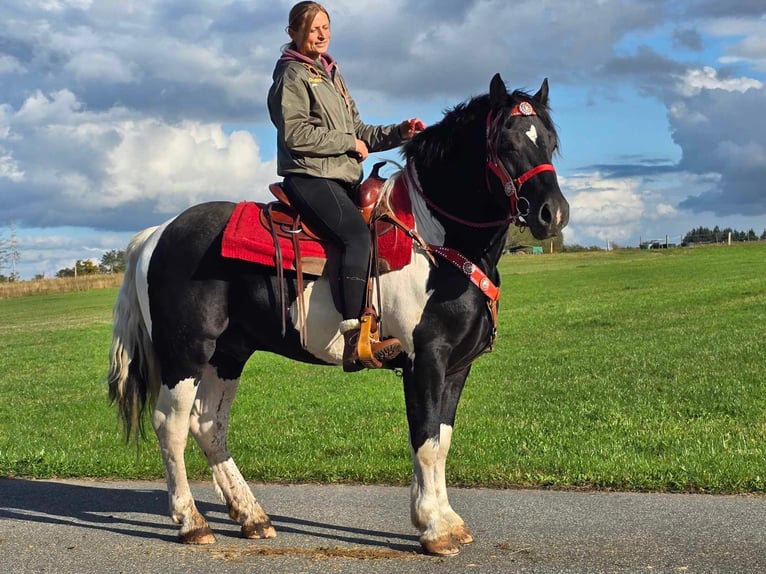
(326, 206)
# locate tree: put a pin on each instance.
(522, 237)
(65, 272)
(86, 267)
(81, 267)
(9, 254)
(112, 262)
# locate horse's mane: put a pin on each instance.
(466, 119)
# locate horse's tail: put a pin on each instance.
(134, 378)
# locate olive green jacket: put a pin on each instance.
(318, 123)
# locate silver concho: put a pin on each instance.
(468, 267)
(484, 285)
(526, 109)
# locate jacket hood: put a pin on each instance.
(289, 54)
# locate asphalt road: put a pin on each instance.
(77, 526)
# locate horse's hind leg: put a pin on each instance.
(171, 424)
(209, 425)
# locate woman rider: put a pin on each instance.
(321, 144)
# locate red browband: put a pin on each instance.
(511, 186)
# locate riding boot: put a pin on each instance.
(382, 351)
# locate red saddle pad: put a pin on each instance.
(247, 239)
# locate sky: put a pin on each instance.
(115, 116)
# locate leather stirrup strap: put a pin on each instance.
(303, 332)
(389, 216)
(280, 271)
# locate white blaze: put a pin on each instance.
(532, 134)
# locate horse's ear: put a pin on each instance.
(498, 93)
(542, 94)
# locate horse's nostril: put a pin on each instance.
(545, 215)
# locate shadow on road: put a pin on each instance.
(141, 513)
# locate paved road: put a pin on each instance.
(76, 526)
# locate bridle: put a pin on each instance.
(511, 186)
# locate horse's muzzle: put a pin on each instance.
(549, 218)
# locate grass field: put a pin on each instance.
(636, 370)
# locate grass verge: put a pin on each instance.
(628, 370)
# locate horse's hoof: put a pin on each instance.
(258, 531)
(198, 536)
(461, 534)
(442, 546)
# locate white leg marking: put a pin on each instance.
(209, 424)
(424, 503)
(447, 514)
(171, 423)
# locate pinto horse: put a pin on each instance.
(187, 319)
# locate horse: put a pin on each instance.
(186, 319)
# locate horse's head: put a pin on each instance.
(521, 141)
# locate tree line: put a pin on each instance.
(719, 235)
(518, 238)
(111, 262)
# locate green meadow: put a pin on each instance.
(631, 370)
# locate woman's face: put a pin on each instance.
(317, 38)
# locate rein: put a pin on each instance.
(512, 187)
(472, 271)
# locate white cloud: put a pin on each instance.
(175, 165)
(695, 81)
(9, 64)
(122, 113)
(9, 167)
(101, 65)
(85, 162)
(751, 45)
(607, 209)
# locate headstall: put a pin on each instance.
(511, 186)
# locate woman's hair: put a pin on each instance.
(301, 17)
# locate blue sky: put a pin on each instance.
(115, 116)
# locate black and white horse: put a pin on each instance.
(186, 319)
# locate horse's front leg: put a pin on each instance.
(453, 388)
(431, 403)
(209, 425)
(170, 420)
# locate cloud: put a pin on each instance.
(624, 210)
(695, 81)
(729, 9)
(607, 209)
(688, 38)
(118, 114)
(118, 169)
(718, 130)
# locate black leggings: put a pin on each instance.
(326, 206)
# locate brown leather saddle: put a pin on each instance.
(282, 220)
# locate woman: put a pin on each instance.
(321, 143)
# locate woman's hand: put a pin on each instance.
(361, 150)
(408, 128)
